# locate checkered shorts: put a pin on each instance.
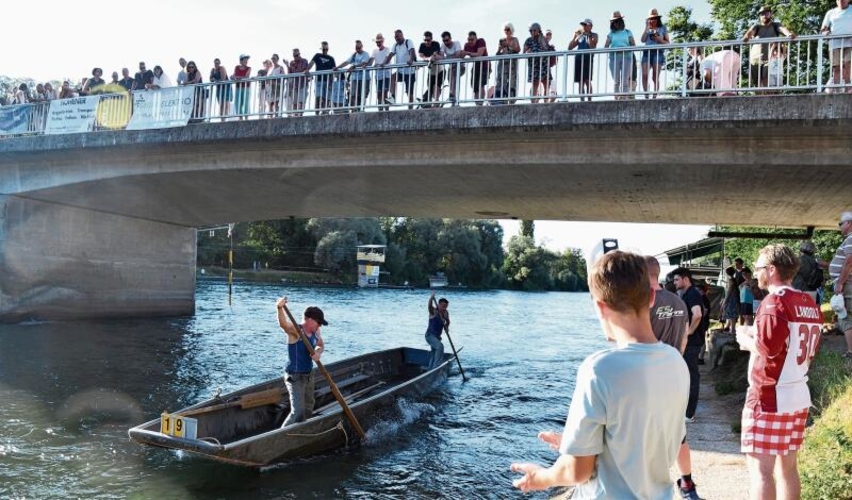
(772, 433)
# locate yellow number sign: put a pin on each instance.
(178, 426)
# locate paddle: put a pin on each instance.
(447, 331)
(331, 384)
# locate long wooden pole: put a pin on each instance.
(331, 384)
(447, 331)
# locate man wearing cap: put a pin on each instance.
(584, 39)
(625, 423)
(840, 270)
(299, 376)
(439, 320)
(759, 54)
(383, 76)
(322, 84)
(838, 21)
(782, 343)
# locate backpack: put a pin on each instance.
(816, 280)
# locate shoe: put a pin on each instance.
(688, 493)
(847, 355)
(689, 420)
(389, 100)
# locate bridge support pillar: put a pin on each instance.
(60, 262)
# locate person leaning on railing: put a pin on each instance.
(838, 21)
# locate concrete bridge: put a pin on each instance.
(103, 224)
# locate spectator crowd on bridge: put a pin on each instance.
(285, 84)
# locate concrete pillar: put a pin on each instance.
(60, 262)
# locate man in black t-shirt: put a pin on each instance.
(143, 77)
(428, 50)
(695, 333)
(322, 86)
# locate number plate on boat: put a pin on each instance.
(178, 426)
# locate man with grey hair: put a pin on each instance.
(840, 269)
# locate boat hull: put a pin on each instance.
(253, 437)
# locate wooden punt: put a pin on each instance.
(243, 427)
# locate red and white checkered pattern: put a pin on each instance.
(772, 433)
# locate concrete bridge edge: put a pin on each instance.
(59, 262)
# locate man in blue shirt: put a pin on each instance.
(299, 376)
(439, 320)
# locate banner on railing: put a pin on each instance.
(114, 111)
(164, 108)
(72, 116)
(13, 119)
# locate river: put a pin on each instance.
(70, 391)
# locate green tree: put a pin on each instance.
(527, 267)
(528, 228)
(338, 238)
(747, 249)
(682, 28)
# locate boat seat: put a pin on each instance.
(340, 385)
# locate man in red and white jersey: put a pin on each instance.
(782, 342)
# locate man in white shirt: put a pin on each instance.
(451, 49)
(403, 51)
(838, 21)
(619, 441)
(181, 78)
(383, 76)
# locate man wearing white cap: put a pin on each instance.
(840, 269)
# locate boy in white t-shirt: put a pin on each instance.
(619, 441)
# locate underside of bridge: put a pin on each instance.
(770, 160)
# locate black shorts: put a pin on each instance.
(747, 309)
(408, 80)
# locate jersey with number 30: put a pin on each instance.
(787, 337)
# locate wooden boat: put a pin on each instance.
(243, 427)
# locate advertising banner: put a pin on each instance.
(72, 116)
(163, 108)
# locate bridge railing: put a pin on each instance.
(778, 65)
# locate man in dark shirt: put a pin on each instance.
(126, 81)
(143, 77)
(669, 323)
(322, 87)
(428, 50)
(695, 333)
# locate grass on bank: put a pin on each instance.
(825, 460)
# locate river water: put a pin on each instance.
(70, 391)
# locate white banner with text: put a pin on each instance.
(72, 116)
(163, 108)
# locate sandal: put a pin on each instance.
(847, 355)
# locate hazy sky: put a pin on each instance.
(58, 40)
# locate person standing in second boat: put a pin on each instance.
(439, 321)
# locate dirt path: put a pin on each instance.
(718, 466)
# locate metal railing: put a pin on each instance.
(763, 66)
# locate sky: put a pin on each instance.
(62, 40)
(67, 40)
